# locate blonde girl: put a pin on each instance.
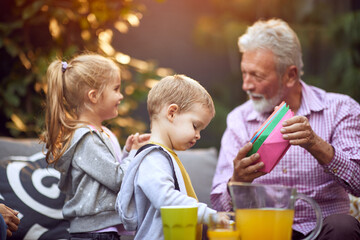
(82, 93)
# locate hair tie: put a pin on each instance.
(64, 66)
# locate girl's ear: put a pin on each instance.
(92, 95)
(172, 110)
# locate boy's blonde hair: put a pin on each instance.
(68, 85)
(180, 90)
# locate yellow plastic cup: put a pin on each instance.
(179, 222)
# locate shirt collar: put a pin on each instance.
(170, 150)
(310, 101)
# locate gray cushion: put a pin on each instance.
(18, 147)
(200, 164)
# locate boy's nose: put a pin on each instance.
(197, 136)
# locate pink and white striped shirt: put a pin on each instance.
(336, 119)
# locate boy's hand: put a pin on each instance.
(223, 220)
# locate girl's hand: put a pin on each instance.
(140, 140)
(135, 141)
(144, 138)
(129, 142)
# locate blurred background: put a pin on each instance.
(150, 39)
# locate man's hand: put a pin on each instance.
(11, 219)
(299, 132)
(246, 169)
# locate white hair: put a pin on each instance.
(276, 36)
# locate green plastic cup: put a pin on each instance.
(179, 222)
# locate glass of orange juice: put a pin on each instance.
(222, 226)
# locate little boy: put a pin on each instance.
(179, 108)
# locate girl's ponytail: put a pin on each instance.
(56, 114)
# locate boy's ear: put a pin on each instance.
(92, 95)
(171, 111)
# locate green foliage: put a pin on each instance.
(329, 32)
(346, 62)
(35, 32)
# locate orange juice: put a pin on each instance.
(266, 223)
(222, 234)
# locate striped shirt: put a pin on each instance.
(333, 117)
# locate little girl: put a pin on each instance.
(81, 95)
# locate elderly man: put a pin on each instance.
(324, 159)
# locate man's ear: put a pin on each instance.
(291, 76)
(172, 110)
(93, 95)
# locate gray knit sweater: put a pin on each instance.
(91, 178)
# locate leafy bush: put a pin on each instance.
(35, 32)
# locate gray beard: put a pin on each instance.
(266, 105)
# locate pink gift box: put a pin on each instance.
(274, 147)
